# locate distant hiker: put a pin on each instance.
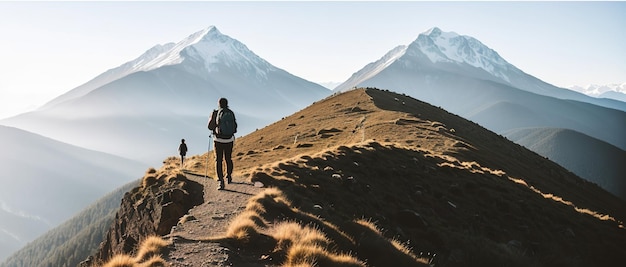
(224, 126)
(182, 150)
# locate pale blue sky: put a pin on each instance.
(48, 48)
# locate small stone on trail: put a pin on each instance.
(258, 184)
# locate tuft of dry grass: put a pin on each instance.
(121, 261)
(289, 233)
(312, 255)
(148, 255)
(270, 198)
(307, 246)
(154, 261)
(150, 247)
(242, 228)
(161, 176)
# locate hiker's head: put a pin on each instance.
(182, 140)
(223, 102)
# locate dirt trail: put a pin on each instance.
(209, 219)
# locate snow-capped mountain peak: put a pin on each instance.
(450, 47)
(207, 47)
(215, 47)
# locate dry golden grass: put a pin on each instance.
(148, 255)
(312, 255)
(150, 247)
(288, 234)
(121, 261)
(154, 261)
(307, 246)
(243, 229)
(165, 174)
(298, 245)
(268, 198)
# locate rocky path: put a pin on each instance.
(209, 219)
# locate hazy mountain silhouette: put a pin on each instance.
(143, 108)
(596, 160)
(614, 91)
(613, 95)
(71, 242)
(45, 182)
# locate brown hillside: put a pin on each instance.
(373, 178)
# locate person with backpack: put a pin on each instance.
(182, 150)
(223, 126)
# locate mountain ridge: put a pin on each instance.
(367, 159)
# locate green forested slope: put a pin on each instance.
(73, 241)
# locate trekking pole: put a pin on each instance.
(207, 156)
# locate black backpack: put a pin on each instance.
(226, 123)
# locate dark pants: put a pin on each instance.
(182, 159)
(223, 151)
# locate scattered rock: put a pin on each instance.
(326, 131)
(187, 218)
(278, 147)
(356, 109)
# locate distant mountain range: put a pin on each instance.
(45, 182)
(71, 242)
(466, 77)
(613, 91)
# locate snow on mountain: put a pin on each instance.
(451, 47)
(597, 89)
(142, 108)
(370, 70)
(613, 91)
(44, 182)
(208, 46)
(463, 55)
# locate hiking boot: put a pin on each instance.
(221, 186)
(229, 179)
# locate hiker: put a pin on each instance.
(224, 126)
(182, 150)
